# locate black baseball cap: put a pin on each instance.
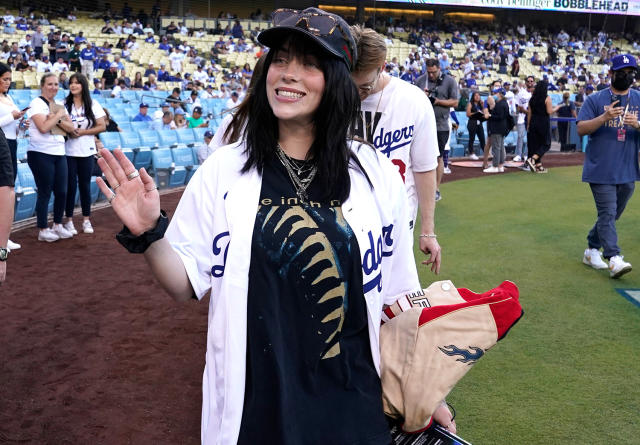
(330, 31)
(197, 110)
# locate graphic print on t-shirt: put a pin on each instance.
(292, 239)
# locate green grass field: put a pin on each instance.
(569, 370)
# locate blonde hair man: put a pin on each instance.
(398, 119)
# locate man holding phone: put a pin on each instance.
(610, 118)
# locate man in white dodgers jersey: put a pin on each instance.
(398, 119)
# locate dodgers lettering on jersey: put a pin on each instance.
(217, 270)
(386, 140)
(372, 258)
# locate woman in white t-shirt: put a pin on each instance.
(88, 118)
(46, 158)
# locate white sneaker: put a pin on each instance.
(61, 231)
(12, 246)
(446, 171)
(593, 258)
(500, 169)
(517, 158)
(474, 156)
(70, 227)
(491, 170)
(87, 227)
(618, 267)
(48, 235)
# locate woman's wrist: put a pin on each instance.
(428, 235)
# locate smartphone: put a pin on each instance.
(25, 108)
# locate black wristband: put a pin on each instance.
(138, 244)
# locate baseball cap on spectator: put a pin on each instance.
(589, 88)
(113, 65)
(623, 61)
(335, 37)
(499, 90)
(179, 111)
(143, 105)
(96, 80)
(208, 134)
(164, 104)
(209, 87)
(197, 110)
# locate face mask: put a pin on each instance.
(495, 97)
(622, 81)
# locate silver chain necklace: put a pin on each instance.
(301, 173)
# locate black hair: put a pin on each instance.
(333, 120)
(86, 98)
(4, 68)
(539, 94)
(433, 62)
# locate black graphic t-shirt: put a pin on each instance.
(310, 374)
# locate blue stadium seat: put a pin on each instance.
(26, 195)
(61, 95)
(199, 134)
(23, 143)
(186, 136)
(110, 140)
(129, 96)
(148, 138)
(112, 102)
(129, 139)
(118, 116)
(194, 153)
(125, 126)
(167, 138)
(140, 125)
(183, 157)
(131, 112)
(148, 143)
(22, 102)
(162, 167)
(21, 94)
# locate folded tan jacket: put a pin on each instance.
(431, 338)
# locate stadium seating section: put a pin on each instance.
(171, 155)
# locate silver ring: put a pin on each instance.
(154, 188)
(111, 198)
(133, 175)
(115, 187)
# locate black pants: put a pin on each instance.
(475, 130)
(13, 149)
(563, 133)
(443, 137)
(50, 174)
(538, 142)
(79, 174)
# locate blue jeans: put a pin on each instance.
(50, 174)
(521, 145)
(611, 199)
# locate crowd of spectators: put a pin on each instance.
(45, 48)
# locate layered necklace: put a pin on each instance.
(301, 173)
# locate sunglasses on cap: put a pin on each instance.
(315, 23)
